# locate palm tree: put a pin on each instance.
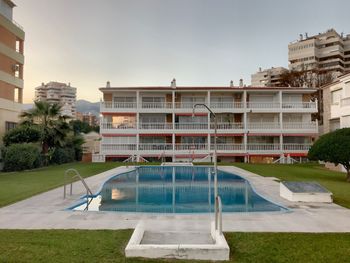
(53, 126)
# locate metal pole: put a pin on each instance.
(215, 161)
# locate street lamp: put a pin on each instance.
(215, 160)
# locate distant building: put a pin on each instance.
(89, 118)
(325, 51)
(56, 92)
(11, 67)
(91, 145)
(268, 77)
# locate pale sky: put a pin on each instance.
(149, 42)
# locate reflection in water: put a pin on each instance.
(177, 190)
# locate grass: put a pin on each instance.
(16, 186)
(333, 181)
(108, 246)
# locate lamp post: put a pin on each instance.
(215, 160)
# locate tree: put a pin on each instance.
(22, 134)
(79, 126)
(333, 147)
(52, 125)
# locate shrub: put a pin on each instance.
(19, 157)
(22, 134)
(63, 155)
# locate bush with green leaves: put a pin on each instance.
(23, 156)
(22, 134)
(62, 155)
(333, 147)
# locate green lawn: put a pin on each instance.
(108, 246)
(333, 181)
(16, 186)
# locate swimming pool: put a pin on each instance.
(176, 189)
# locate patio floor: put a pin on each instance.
(47, 211)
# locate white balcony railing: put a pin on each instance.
(300, 125)
(227, 105)
(195, 147)
(155, 126)
(191, 146)
(156, 105)
(155, 147)
(263, 147)
(227, 147)
(120, 126)
(216, 105)
(263, 105)
(187, 105)
(118, 105)
(118, 147)
(227, 126)
(263, 125)
(191, 126)
(299, 105)
(296, 147)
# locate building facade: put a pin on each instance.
(327, 51)
(11, 67)
(268, 77)
(337, 104)
(89, 118)
(61, 93)
(253, 124)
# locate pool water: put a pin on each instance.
(177, 189)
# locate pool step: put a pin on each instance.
(199, 245)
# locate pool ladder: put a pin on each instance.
(77, 175)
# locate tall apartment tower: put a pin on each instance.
(325, 51)
(11, 67)
(268, 77)
(61, 93)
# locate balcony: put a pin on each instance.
(288, 127)
(186, 107)
(202, 148)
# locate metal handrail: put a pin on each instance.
(218, 215)
(88, 191)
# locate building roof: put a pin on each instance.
(205, 88)
(10, 3)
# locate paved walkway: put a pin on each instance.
(47, 211)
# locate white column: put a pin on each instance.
(173, 142)
(138, 106)
(245, 125)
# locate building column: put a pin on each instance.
(173, 142)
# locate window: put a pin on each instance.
(336, 96)
(10, 125)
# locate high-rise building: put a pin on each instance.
(326, 51)
(268, 77)
(61, 93)
(11, 67)
(254, 124)
(89, 118)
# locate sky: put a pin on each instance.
(150, 42)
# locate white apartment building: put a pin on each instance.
(336, 98)
(336, 115)
(325, 51)
(253, 124)
(56, 92)
(268, 77)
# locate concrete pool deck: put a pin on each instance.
(47, 211)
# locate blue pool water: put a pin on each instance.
(177, 189)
